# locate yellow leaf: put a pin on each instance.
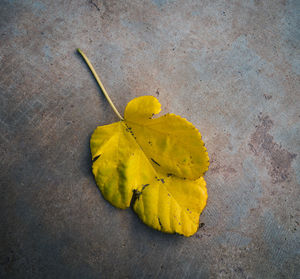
(154, 162)
(155, 165)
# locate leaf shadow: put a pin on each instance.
(86, 158)
(86, 164)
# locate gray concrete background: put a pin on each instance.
(230, 67)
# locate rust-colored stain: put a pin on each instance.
(278, 160)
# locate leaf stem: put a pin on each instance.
(99, 82)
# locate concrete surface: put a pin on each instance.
(230, 67)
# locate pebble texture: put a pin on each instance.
(230, 67)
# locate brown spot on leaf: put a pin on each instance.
(144, 186)
(155, 162)
(95, 158)
(278, 159)
(160, 223)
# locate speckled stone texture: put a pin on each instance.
(230, 67)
